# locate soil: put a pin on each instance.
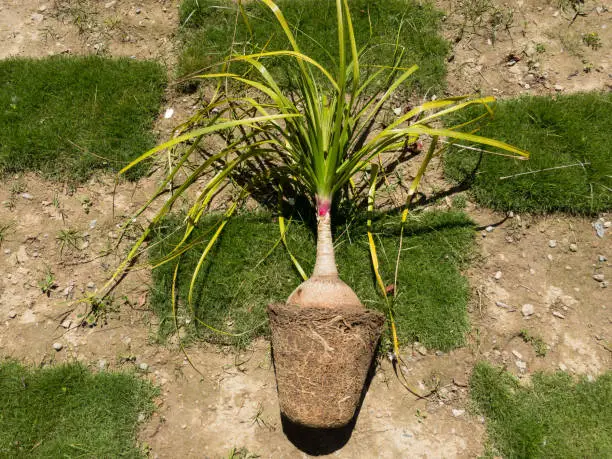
(232, 401)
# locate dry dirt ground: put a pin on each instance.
(233, 402)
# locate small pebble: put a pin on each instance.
(573, 247)
(558, 314)
(91, 285)
(562, 367)
(527, 309)
(457, 413)
(420, 348)
(558, 87)
(12, 314)
(143, 366)
(7, 251)
(598, 277)
(517, 354)
(498, 275)
(138, 10)
(102, 364)
(549, 257)
(552, 243)
(92, 224)
(66, 323)
(27, 196)
(601, 258)
(58, 346)
(607, 224)
(521, 365)
(488, 229)
(141, 417)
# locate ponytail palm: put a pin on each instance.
(318, 139)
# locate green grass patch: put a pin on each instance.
(209, 27)
(555, 417)
(66, 411)
(571, 130)
(245, 273)
(68, 116)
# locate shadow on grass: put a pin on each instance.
(250, 268)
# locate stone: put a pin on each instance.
(498, 275)
(607, 224)
(558, 314)
(58, 346)
(37, 17)
(12, 314)
(91, 285)
(558, 88)
(143, 366)
(598, 277)
(562, 367)
(457, 413)
(517, 354)
(527, 310)
(489, 229)
(420, 348)
(521, 365)
(92, 224)
(549, 257)
(397, 111)
(109, 5)
(168, 114)
(573, 247)
(67, 323)
(42, 8)
(552, 243)
(600, 258)
(102, 364)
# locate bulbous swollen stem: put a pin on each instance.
(325, 263)
(324, 288)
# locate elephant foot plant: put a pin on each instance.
(318, 139)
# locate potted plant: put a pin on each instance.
(318, 137)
